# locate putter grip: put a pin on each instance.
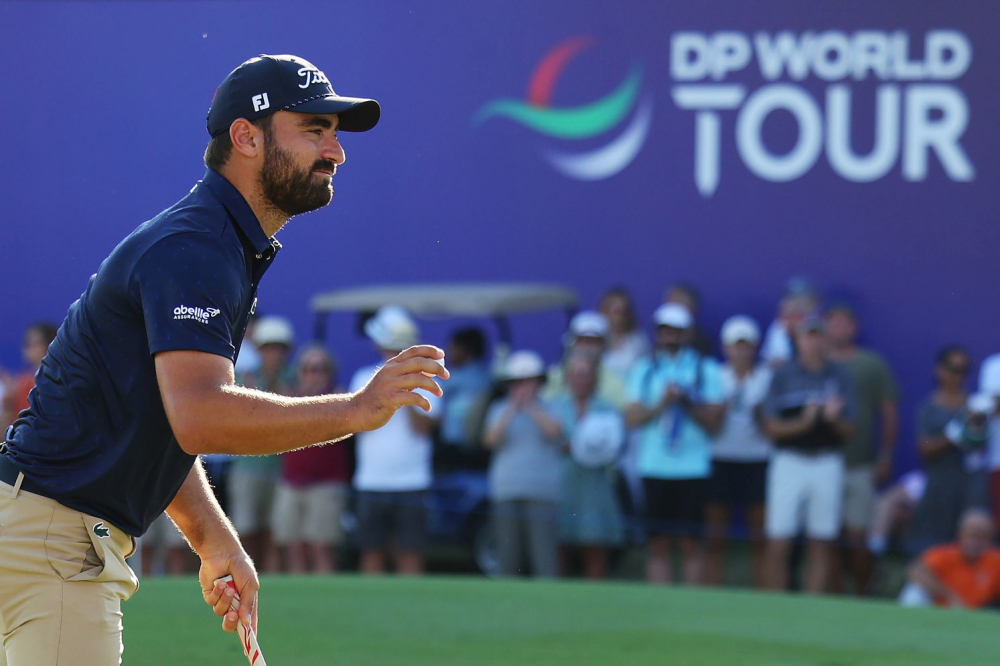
(251, 649)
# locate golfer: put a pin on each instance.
(139, 379)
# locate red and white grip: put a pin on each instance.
(247, 637)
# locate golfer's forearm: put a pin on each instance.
(237, 420)
(199, 517)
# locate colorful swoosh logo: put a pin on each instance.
(581, 122)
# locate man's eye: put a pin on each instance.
(317, 132)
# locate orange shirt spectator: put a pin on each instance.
(33, 349)
(975, 582)
(964, 574)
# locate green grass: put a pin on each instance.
(349, 620)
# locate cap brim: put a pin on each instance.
(356, 114)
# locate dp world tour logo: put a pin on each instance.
(579, 123)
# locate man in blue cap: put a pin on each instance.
(140, 380)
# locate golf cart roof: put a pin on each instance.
(457, 299)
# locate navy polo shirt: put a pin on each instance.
(96, 437)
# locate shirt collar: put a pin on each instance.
(239, 209)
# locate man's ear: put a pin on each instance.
(247, 139)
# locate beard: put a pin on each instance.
(291, 190)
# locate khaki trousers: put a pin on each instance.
(63, 577)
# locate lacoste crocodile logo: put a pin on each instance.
(101, 531)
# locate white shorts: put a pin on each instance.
(308, 513)
(804, 491)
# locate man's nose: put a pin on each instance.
(333, 151)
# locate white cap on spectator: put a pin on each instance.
(981, 403)
(392, 328)
(523, 365)
(587, 324)
(673, 315)
(273, 330)
(740, 327)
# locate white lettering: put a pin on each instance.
(942, 42)
(871, 53)
(261, 102)
(707, 127)
(843, 159)
(731, 53)
(750, 143)
(689, 56)
(311, 76)
(903, 68)
(784, 52)
(832, 55)
(923, 133)
(198, 314)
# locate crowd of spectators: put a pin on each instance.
(784, 444)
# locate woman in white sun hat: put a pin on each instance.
(590, 518)
(525, 436)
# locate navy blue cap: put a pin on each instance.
(270, 83)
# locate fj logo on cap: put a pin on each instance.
(311, 76)
(260, 102)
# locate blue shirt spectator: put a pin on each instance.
(674, 446)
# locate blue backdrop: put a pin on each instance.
(583, 142)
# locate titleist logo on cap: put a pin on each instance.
(311, 76)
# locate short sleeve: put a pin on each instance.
(190, 289)
(848, 392)
(888, 389)
(711, 382)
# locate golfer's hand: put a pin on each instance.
(393, 386)
(219, 595)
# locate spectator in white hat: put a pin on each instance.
(686, 294)
(591, 517)
(741, 450)
(253, 479)
(588, 332)
(675, 403)
(394, 462)
(526, 438)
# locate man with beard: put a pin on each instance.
(139, 380)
